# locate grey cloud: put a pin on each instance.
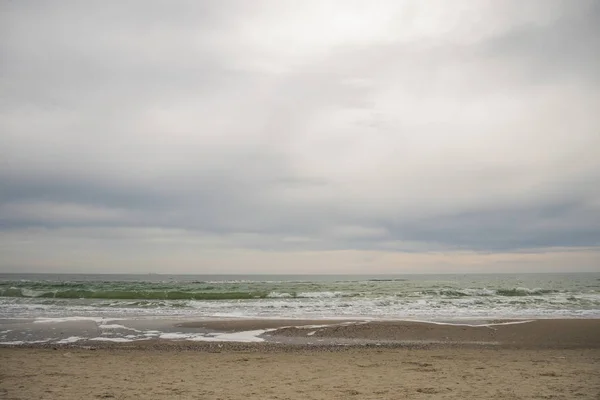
(175, 121)
(565, 49)
(560, 225)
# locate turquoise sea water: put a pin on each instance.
(423, 297)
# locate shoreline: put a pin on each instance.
(281, 333)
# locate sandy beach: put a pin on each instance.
(369, 373)
(537, 334)
(452, 363)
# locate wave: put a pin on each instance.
(131, 294)
(524, 292)
(206, 293)
(459, 292)
(510, 292)
(311, 295)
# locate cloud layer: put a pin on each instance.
(234, 136)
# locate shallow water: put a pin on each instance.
(424, 297)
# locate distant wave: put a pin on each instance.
(81, 291)
(131, 295)
(510, 292)
(311, 295)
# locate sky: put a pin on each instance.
(315, 136)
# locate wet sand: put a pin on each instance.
(558, 359)
(551, 333)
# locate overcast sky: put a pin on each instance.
(299, 136)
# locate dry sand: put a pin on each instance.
(517, 369)
(303, 374)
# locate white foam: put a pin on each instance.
(18, 342)
(309, 326)
(175, 336)
(71, 339)
(115, 339)
(31, 293)
(305, 295)
(278, 295)
(196, 337)
(116, 326)
(466, 324)
(245, 336)
(346, 323)
(508, 323)
(99, 320)
(320, 295)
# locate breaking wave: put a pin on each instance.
(131, 295)
(510, 292)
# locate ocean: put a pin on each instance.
(416, 297)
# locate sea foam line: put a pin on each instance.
(463, 324)
(244, 337)
(100, 320)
